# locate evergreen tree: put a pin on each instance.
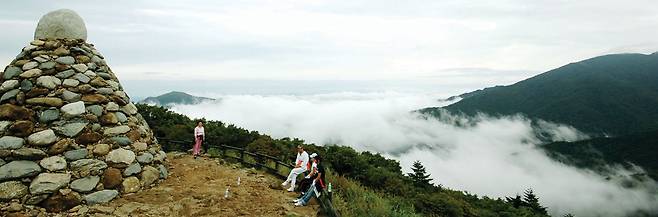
(515, 201)
(419, 176)
(532, 201)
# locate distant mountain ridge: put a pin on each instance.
(607, 95)
(639, 149)
(175, 97)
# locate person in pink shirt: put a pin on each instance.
(199, 136)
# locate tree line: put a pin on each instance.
(414, 192)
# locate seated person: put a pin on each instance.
(316, 187)
(301, 165)
(308, 180)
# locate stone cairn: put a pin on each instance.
(69, 134)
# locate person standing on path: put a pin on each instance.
(199, 136)
(301, 165)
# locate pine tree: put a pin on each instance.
(532, 201)
(515, 201)
(419, 176)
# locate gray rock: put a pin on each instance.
(10, 142)
(31, 73)
(74, 109)
(49, 82)
(96, 127)
(80, 67)
(30, 65)
(104, 75)
(49, 182)
(90, 74)
(12, 190)
(29, 153)
(47, 65)
(9, 95)
(121, 140)
(105, 91)
(4, 125)
(95, 109)
(145, 158)
(115, 85)
(164, 173)
(88, 167)
(160, 157)
(66, 60)
(42, 58)
(97, 60)
(92, 66)
(70, 129)
(70, 83)
(9, 85)
(82, 78)
(62, 23)
(149, 175)
(65, 74)
(133, 169)
(53, 163)
(45, 137)
(121, 117)
(120, 157)
(19, 169)
(103, 196)
(26, 85)
(36, 199)
(116, 130)
(11, 72)
(85, 184)
(71, 96)
(130, 109)
(75, 154)
(48, 115)
(112, 106)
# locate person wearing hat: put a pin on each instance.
(308, 180)
(301, 165)
(316, 186)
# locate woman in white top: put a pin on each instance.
(199, 136)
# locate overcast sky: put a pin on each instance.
(472, 44)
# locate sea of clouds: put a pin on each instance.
(496, 157)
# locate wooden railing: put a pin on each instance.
(280, 168)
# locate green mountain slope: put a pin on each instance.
(175, 97)
(612, 94)
(640, 149)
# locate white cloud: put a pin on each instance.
(487, 156)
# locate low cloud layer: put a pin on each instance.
(496, 157)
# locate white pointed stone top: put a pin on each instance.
(62, 23)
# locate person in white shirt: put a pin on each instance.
(301, 165)
(199, 136)
(308, 180)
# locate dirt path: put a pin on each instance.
(196, 188)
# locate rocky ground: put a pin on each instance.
(194, 188)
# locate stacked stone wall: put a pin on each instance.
(69, 134)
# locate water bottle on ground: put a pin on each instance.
(227, 194)
(238, 180)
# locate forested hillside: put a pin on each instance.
(606, 95)
(365, 184)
